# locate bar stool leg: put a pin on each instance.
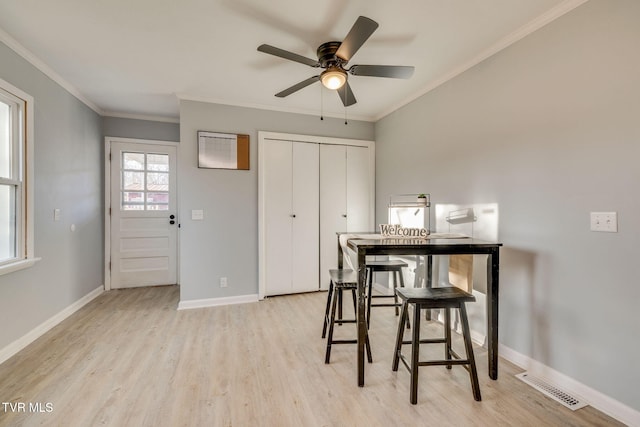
(355, 302)
(415, 354)
(327, 309)
(340, 306)
(334, 302)
(400, 336)
(466, 333)
(395, 286)
(402, 286)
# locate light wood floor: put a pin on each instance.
(129, 358)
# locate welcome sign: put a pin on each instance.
(395, 230)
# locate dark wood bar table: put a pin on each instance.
(364, 247)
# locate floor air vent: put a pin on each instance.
(552, 391)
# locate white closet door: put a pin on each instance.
(305, 247)
(277, 177)
(358, 185)
(333, 206)
(306, 197)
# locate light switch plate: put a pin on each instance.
(604, 221)
(197, 214)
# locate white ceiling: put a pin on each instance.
(137, 58)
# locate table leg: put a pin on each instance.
(493, 265)
(428, 281)
(361, 321)
(340, 266)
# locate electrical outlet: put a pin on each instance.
(223, 282)
(604, 221)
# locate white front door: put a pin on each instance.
(142, 222)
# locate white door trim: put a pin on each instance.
(108, 140)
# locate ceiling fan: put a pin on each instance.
(333, 57)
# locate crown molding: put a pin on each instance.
(148, 117)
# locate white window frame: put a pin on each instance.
(23, 161)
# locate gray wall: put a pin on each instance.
(140, 129)
(549, 129)
(68, 176)
(226, 242)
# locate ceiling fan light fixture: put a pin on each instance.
(333, 78)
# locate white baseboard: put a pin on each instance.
(47, 325)
(598, 400)
(214, 302)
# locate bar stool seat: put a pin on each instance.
(395, 268)
(341, 280)
(427, 298)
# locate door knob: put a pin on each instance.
(172, 222)
(293, 215)
(344, 215)
(172, 216)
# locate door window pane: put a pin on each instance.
(158, 162)
(157, 181)
(158, 198)
(127, 207)
(133, 161)
(157, 207)
(132, 197)
(132, 181)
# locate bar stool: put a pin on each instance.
(427, 298)
(395, 268)
(341, 280)
(327, 311)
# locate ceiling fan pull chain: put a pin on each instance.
(345, 107)
(321, 103)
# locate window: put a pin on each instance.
(16, 206)
(145, 182)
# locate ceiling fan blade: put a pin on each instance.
(271, 50)
(296, 87)
(393, 71)
(359, 33)
(346, 95)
